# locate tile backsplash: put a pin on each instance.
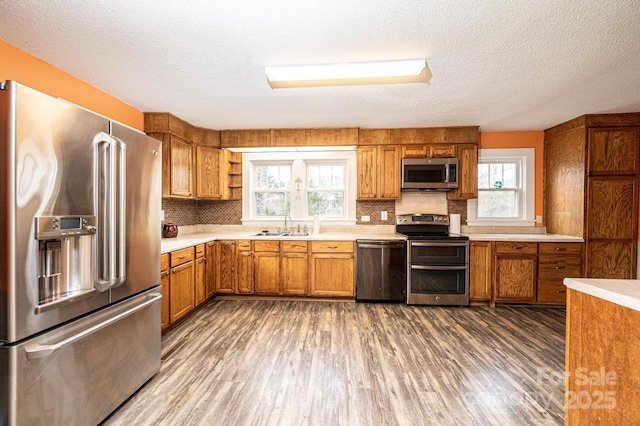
(204, 212)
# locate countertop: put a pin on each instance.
(349, 234)
(187, 240)
(535, 238)
(621, 292)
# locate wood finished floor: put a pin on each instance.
(266, 362)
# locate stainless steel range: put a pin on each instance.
(437, 261)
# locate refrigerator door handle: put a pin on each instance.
(41, 351)
(110, 202)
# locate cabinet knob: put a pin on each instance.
(560, 249)
(516, 248)
(559, 291)
(560, 267)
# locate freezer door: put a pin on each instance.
(48, 172)
(143, 201)
(79, 373)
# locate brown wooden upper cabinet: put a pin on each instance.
(378, 172)
(193, 165)
(177, 175)
(208, 172)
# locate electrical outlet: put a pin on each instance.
(539, 218)
(162, 215)
(383, 215)
(365, 218)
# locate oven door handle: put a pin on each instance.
(417, 244)
(439, 268)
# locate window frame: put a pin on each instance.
(525, 158)
(299, 161)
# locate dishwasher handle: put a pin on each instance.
(380, 244)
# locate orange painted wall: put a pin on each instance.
(15, 64)
(526, 139)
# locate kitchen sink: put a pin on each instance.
(267, 234)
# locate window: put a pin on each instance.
(271, 189)
(505, 188)
(325, 189)
(301, 184)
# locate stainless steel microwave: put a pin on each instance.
(429, 174)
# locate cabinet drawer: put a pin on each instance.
(559, 266)
(244, 245)
(559, 248)
(164, 262)
(551, 291)
(332, 246)
(200, 250)
(515, 247)
(262, 245)
(294, 246)
(179, 257)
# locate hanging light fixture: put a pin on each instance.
(348, 74)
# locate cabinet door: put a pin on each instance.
(441, 150)
(225, 276)
(266, 274)
(414, 151)
(165, 318)
(332, 274)
(181, 152)
(208, 172)
(480, 270)
(467, 173)
(610, 259)
(182, 297)
(612, 208)
(367, 173)
(294, 273)
(613, 150)
(200, 281)
(515, 278)
(210, 253)
(244, 276)
(388, 173)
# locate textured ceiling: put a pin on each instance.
(499, 64)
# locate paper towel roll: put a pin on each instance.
(316, 224)
(454, 223)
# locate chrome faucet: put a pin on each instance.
(285, 221)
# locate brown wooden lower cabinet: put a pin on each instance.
(515, 277)
(480, 270)
(200, 281)
(522, 272)
(332, 269)
(226, 272)
(266, 270)
(210, 254)
(295, 275)
(182, 290)
(244, 273)
(165, 316)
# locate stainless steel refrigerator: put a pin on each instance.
(79, 260)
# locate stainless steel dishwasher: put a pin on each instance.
(381, 270)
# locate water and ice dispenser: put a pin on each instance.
(65, 256)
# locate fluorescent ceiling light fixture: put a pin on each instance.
(360, 73)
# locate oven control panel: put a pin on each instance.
(422, 219)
